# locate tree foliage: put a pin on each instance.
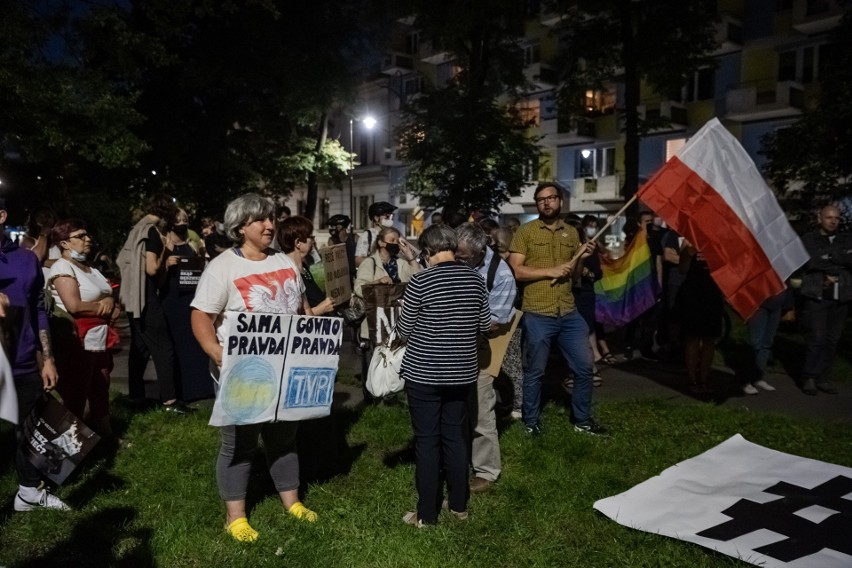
(810, 174)
(661, 43)
(465, 142)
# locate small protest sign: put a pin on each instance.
(276, 367)
(338, 285)
(54, 440)
(189, 272)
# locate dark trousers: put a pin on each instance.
(441, 441)
(28, 387)
(824, 320)
(150, 338)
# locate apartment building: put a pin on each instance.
(767, 65)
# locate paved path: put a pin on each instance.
(626, 380)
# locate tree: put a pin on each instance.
(818, 171)
(661, 43)
(465, 142)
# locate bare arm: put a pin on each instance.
(205, 333)
(525, 273)
(49, 375)
(69, 293)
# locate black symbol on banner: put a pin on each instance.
(804, 537)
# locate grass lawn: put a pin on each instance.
(154, 501)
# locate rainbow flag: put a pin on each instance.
(628, 287)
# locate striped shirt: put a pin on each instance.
(445, 308)
(545, 247)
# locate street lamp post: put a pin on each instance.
(369, 122)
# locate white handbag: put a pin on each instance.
(383, 374)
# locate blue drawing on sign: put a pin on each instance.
(248, 389)
(310, 387)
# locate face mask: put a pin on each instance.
(387, 222)
(392, 249)
(590, 232)
(78, 256)
(181, 230)
(657, 221)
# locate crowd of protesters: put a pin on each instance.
(464, 280)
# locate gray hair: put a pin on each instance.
(243, 210)
(437, 238)
(383, 232)
(473, 236)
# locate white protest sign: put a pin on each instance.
(276, 367)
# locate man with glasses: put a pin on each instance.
(545, 255)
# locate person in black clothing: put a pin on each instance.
(338, 228)
(215, 240)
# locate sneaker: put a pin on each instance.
(827, 388)
(534, 430)
(480, 485)
(809, 387)
(460, 515)
(410, 518)
(591, 427)
(748, 388)
(516, 415)
(761, 384)
(29, 498)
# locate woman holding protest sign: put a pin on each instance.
(445, 310)
(82, 335)
(295, 236)
(392, 261)
(251, 277)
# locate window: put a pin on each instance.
(701, 86)
(594, 162)
(673, 146)
(363, 207)
(598, 102)
(412, 43)
(300, 207)
(787, 66)
(530, 170)
(805, 63)
(325, 207)
(530, 111)
(532, 53)
(411, 86)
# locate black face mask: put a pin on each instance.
(392, 249)
(181, 230)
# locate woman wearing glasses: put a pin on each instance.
(82, 338)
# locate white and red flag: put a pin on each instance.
(712, 194)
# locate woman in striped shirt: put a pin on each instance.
(445, 308)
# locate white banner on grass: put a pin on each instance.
(276, 367)
(747, 501)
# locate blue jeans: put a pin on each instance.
(761, 333)
(572, 336)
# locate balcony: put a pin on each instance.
(549, 15)
(560, 132)
(397, 64)
(543, 76)
(673, 112)
(763, 100)
(816, 16)
(607, 188)
(729, 35)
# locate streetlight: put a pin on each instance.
(369, 122)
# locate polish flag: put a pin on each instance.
(712, 194)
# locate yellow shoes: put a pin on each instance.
(302, 513)
(241, 530)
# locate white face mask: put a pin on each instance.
(590, 231)
(657, 221)
(387, 222)
(78, 256)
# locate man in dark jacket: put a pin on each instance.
(827, 289)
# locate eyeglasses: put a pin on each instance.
(550, 198)
(81, 236)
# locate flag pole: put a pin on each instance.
(573, 261)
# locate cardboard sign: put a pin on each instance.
(276, 367)
(54, 440)
(189, 272)
(384, 306)
(498, 343)
(338, 285)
